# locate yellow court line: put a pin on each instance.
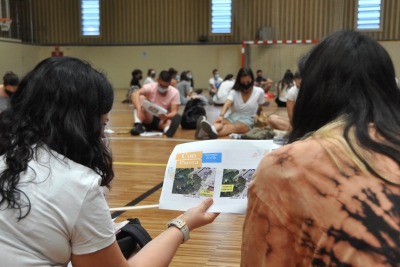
(140, 164)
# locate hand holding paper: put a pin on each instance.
(153, 108)
(221, 169)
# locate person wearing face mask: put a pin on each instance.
(174, 76)
(162, 94)
(136, 77)
(213, 84)
(151, 75)
(224, 89)
(7, 89)
(245, 101)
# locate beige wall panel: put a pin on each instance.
(119, 61)
(30, 56)
(274, 60)
(10, 56)
(393, 48)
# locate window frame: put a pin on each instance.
(380, 29)
(211, 21)
(81, 20)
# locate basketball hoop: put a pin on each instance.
(5, 24)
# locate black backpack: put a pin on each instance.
(193, 110)
(131, 235)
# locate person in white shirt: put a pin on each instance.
(213, 84)
(283, 86)
(281, 123)
(151, 75)
(53, 161)
(223, 90)
(245, 101)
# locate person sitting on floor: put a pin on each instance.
(220, 97)
(151, 74)
(184, 88)
(331, 197)
(245, 100)
(283, 87)
(7, 89)
(262, 81)
(53, 163)
(162, 94)
(280, 123)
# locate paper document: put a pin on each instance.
(153, 108)
(221, 169)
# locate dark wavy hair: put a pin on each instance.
(184, 76)
(287, 81)
(58, 106)
(136, 72)
(243, 72)
(10, 78)
(350, 76)
(228, 77)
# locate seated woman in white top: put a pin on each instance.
(52, 163)
(151, 75)
(220, 97)
(283, 87)
(245, 101)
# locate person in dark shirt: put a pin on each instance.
(136, 77)
(262, 81)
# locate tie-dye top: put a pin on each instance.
(304, 211)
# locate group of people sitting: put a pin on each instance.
(241, 96)
(331, 197)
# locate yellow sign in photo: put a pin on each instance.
(205, 193)
(227, 188)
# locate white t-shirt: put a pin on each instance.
(292, 93)
(251, 106)
(148, 80)
(223, 92)
(215, 82)
(69, 214)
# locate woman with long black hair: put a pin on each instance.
(331, 197)
(245, 101)
(284, 85)
(52, 163)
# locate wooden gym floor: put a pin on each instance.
(139, 165)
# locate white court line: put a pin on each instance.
(134, 207)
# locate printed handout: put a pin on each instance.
(221, 169)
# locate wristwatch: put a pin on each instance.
(181, 225)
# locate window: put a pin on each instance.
(221, 16)
(369, 15)
(90, 17)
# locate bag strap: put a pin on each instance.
(137, 232)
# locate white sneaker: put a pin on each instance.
(200, 134)
(209, 129)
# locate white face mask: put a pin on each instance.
(162, 90)
(216, 76)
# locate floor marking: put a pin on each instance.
(134, 207)
(138, 199)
